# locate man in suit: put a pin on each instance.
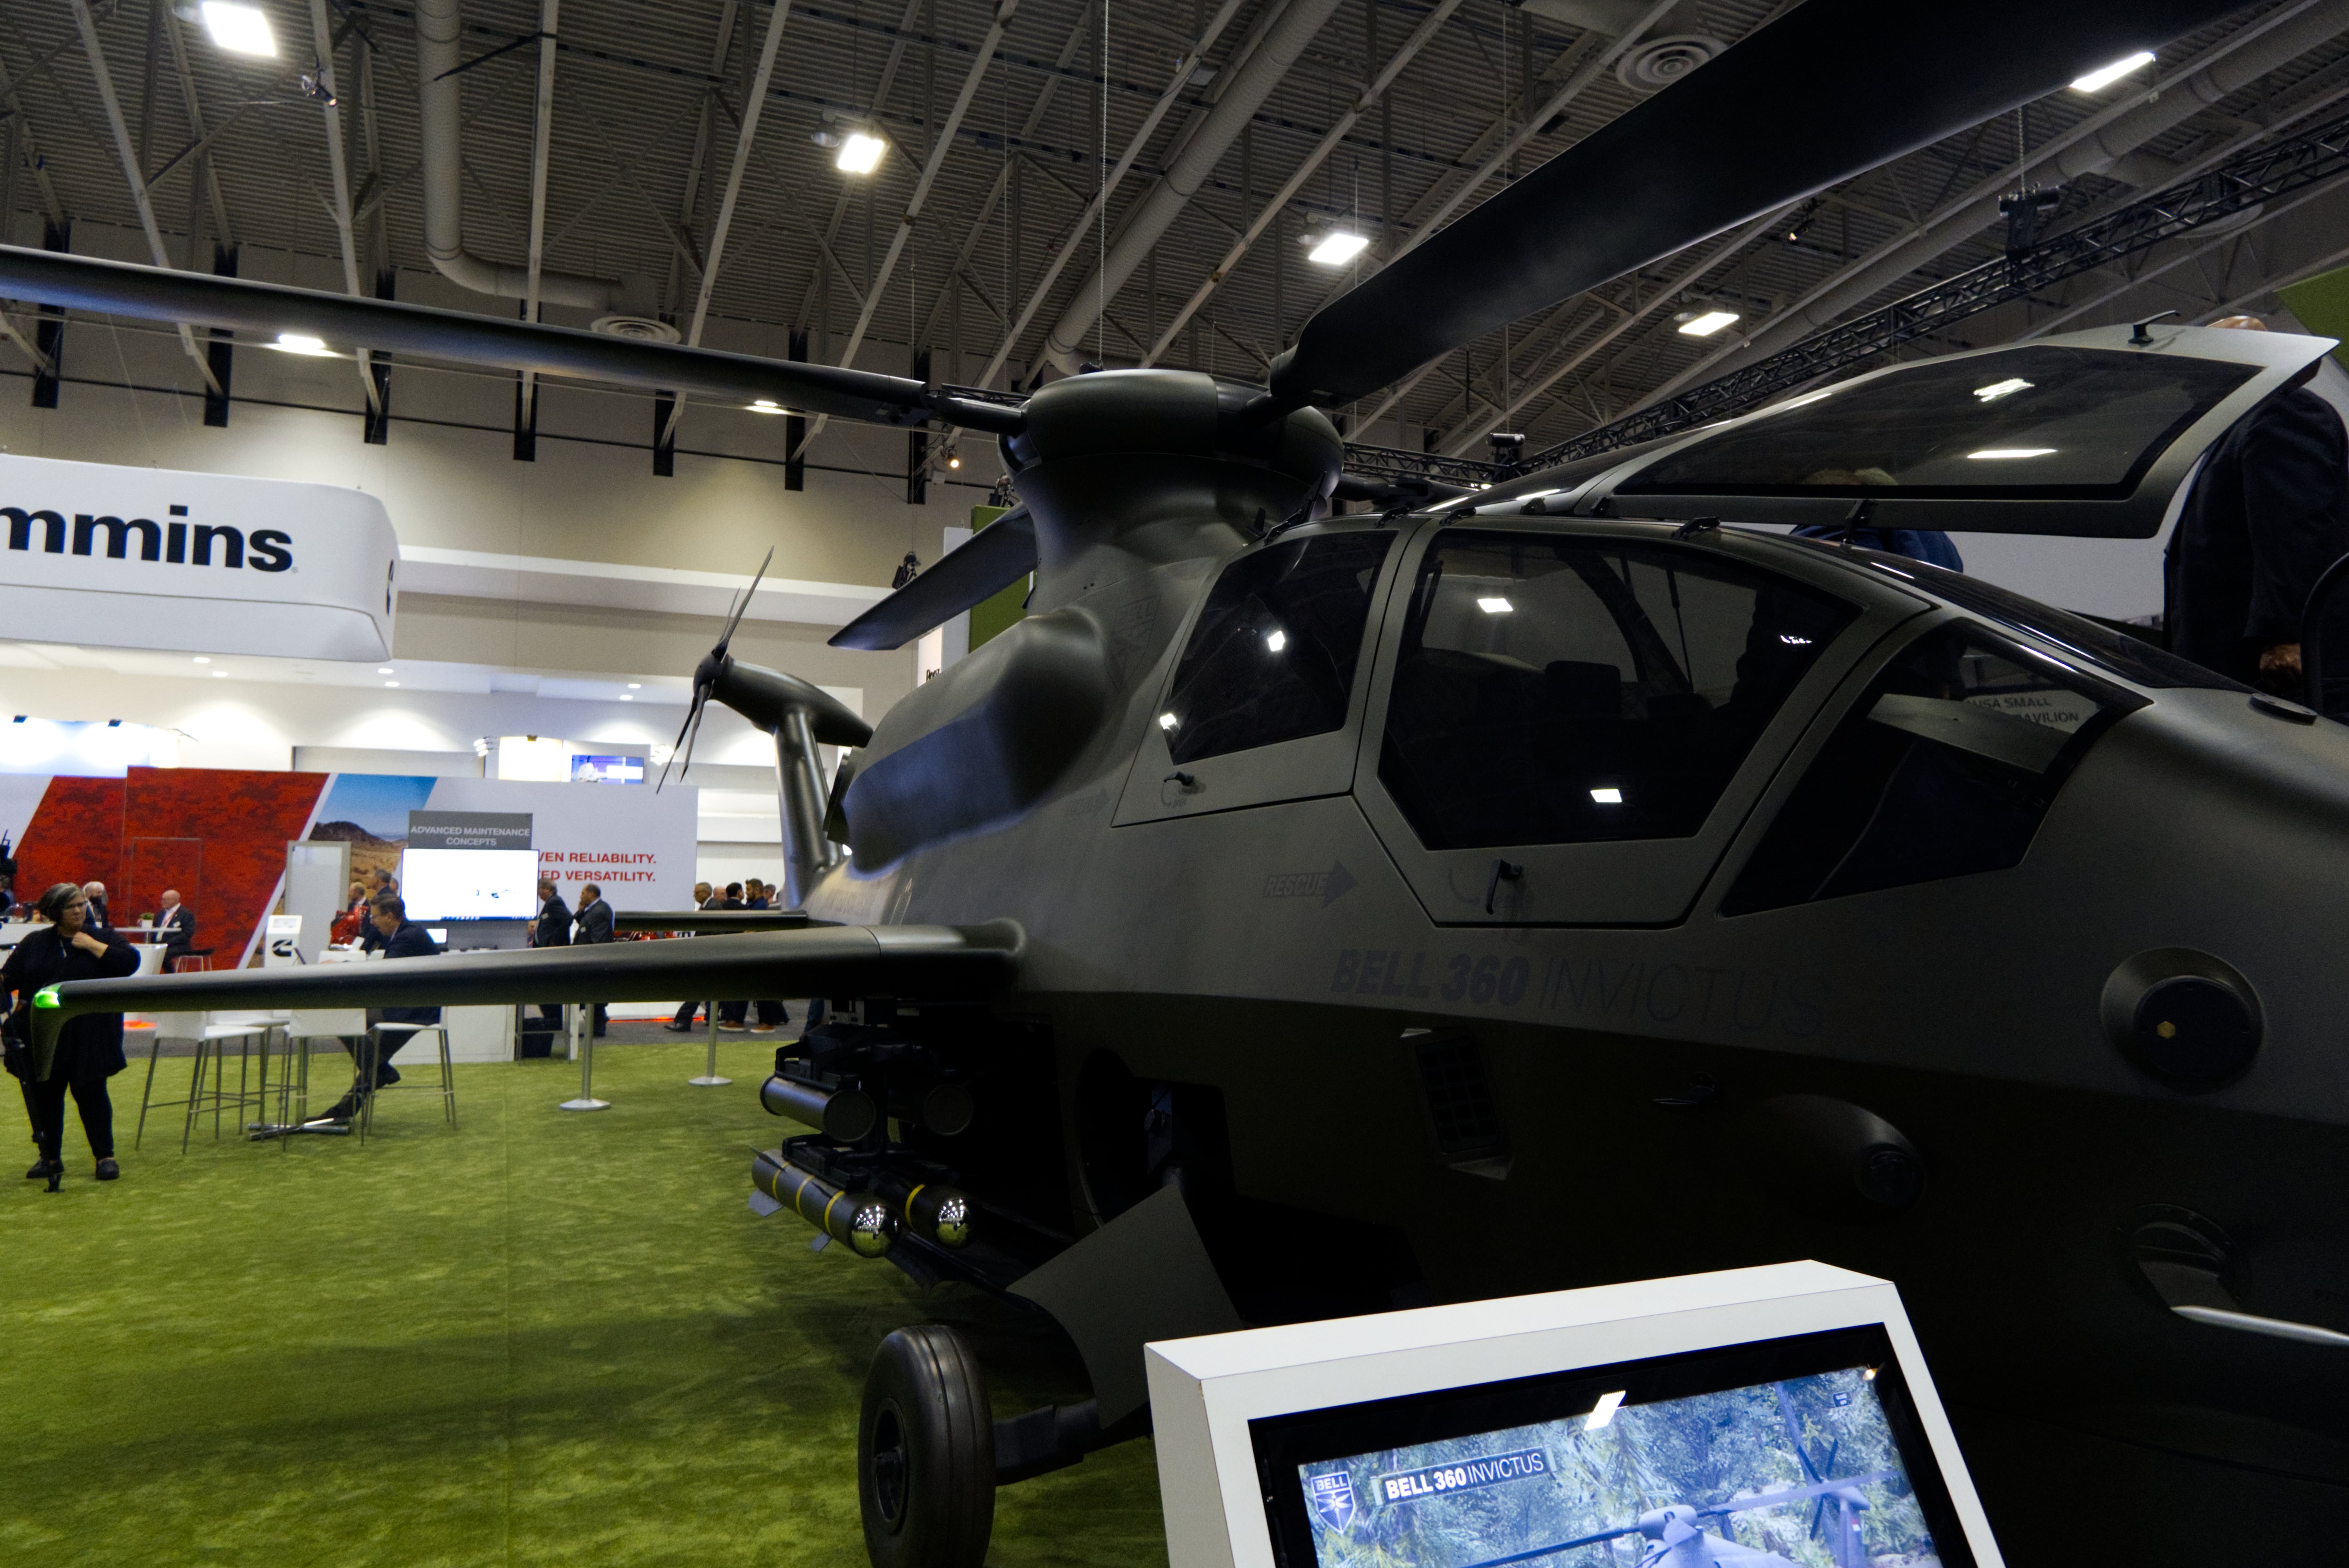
(759, 895)
(594, 923)
(552, 929)
(685, 1011)
(401, 939)
(2269, 513)
(175, 928)
(95, 891)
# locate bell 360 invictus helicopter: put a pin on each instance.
(1300, 914)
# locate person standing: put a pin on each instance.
(2269, 513)
(687, 1011)
(731, 1014)
(175, 928)
(769, 1012)
(95, 891)
(89, 1048)
(594, 923)
(552, 929)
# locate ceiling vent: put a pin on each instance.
(643, 328)
(1656, 63)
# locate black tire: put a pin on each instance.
(926, 1453)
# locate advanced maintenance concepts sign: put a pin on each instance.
(156, 558)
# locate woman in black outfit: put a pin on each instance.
(89, 1050)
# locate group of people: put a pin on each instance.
(559, 925)
(77, 940)
(733, 1018)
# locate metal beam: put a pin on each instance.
(541, 153)
(130, 171)
(1181, 78)
(714, 259)
(322, 41)
(1272, 209)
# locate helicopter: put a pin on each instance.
(1303, 914)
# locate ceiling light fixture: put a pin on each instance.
(239, 29)
(1276, 640)
(301, 343)
(202, 660)
(1494, 606)
(387, 672)
(636, 685)
(391, 683)
(1167, 721)
(1998, 389)
(219, 675)
(2009, 454)
(1608, 795)
(2095, 80)
(1707, 323)
(860, 153)
(625, 697)
(1337, 247)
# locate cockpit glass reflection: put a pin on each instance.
(2036, 421)
(1557, 691)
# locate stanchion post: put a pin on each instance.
(709, 1078)
(583, 1042)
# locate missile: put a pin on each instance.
(932, 1212)
(860, 1219)
(843, 1115)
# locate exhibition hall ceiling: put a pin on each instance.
(648, 94)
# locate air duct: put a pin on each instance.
(1283, 43)
(441, 118)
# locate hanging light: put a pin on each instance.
(1335, 248)
(860, 153)
(238, 29)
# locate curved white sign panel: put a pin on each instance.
(156, 558)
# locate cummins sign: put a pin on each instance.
(154, 557)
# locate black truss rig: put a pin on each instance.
(2235, 188)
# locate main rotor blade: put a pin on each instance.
(817, 961)
(735, 619)
(1831, 89)
(198, 299)
(985, 564)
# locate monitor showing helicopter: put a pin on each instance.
(1803, 1450)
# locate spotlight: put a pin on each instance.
(860, 153)
(1337, 248)
(238, 29)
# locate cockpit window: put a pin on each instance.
(1564, 691)
(2124, 655)
(1273, 656)
(1944, 767)
(2040, 421)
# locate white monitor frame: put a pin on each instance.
(1204, 1392)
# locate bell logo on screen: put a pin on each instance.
(179, 542)
(1333, 1498)
(1490, 1470)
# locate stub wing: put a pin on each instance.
(909, 961)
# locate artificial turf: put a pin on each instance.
(541, 1336)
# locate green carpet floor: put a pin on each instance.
(541, 1337)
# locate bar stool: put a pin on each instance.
(373, 1051)
(212, 1054)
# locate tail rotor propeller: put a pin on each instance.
(705, 679)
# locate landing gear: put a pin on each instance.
(926, 1453)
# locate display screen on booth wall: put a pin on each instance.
(469, 884)
(1755, 1456)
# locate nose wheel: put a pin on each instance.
(926, 1453)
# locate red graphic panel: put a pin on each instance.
(75, 836)
(244, 820)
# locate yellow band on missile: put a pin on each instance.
(916, 1193)
(826, 1223)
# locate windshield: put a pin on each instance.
(2117, 652)
(2059, 423)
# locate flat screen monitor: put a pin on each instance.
(469, 884)
(608, 769)
(1768, 1418)
(1786, 1452)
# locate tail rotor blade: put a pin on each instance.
(695, 734)
(692, 712)
(736, 618)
